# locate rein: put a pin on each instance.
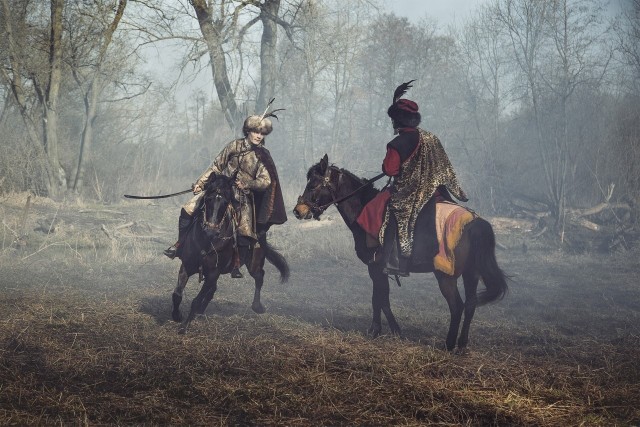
(229, 213)
(326, 183)
(353, 193)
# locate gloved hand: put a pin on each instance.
(196, 188)
(242, 185)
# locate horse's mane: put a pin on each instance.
(367, 193)
(226, 181)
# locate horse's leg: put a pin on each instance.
(380, 302)
(449, 289)
(256, 270)
(211, 288)
(375, 274)
(470, 302)
(177, 294)
(200, 302)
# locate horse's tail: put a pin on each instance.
(276, 258)
(483, 244)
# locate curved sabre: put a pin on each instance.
(164, 196)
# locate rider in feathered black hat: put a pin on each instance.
(422, 174)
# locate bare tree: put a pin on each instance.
(25, 73)
(575, 28)
(222, 23)
(628, 32)
(87, 68)
(49, 97)
(483, 60)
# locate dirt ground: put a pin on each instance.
(86, 336)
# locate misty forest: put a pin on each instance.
(536, 102)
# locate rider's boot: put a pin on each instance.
(373, 243)
(377, 256)
(240, 256)
(184, 223)
(235, 272)
(394, 263)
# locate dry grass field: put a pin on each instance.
(86, 336)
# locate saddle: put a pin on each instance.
(438, 229)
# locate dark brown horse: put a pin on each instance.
(474, 255)
(208, 249)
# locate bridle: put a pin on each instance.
(326, 182)
(229, 213)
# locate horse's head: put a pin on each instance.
(320, 192)
(217, 205)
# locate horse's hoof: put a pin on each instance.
(177, 317)
(396, 332)
(182, 330)
(464, 351)
(258, 308)
(374, 331)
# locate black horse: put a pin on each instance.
(208, 249)
(474, 255)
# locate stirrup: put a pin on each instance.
(236, 274)
(395, 272)
(377, 257)
(171, 252)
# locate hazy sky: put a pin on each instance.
(457, 11)
(445, 11)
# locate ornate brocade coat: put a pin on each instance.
(420, 175)
(239, 156)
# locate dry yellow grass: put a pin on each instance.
(85, 339)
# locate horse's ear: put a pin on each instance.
(324, 162)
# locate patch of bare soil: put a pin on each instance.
(86, 335)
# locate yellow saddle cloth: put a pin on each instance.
(450, 222)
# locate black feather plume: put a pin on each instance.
(271, 114)
(401, 90)
(267, 109)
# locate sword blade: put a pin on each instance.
(164, 196)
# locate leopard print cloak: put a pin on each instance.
(420, 175)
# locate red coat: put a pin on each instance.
(371, 217)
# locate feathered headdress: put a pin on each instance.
(403, 112)
(401, 90)
(270, 113)
(261, 123)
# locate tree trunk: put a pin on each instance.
(90, 105)
(15, 78)
(57, 176)
(268, 53)
(91, 99)
(213, 38)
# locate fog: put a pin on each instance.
(540, 104)
(535, 102)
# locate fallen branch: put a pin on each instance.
(103, 228)
(586, 224)
(43, 247)
(597, 209)
(501, 223)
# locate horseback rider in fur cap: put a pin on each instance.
(257, 188)
(422, 175)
